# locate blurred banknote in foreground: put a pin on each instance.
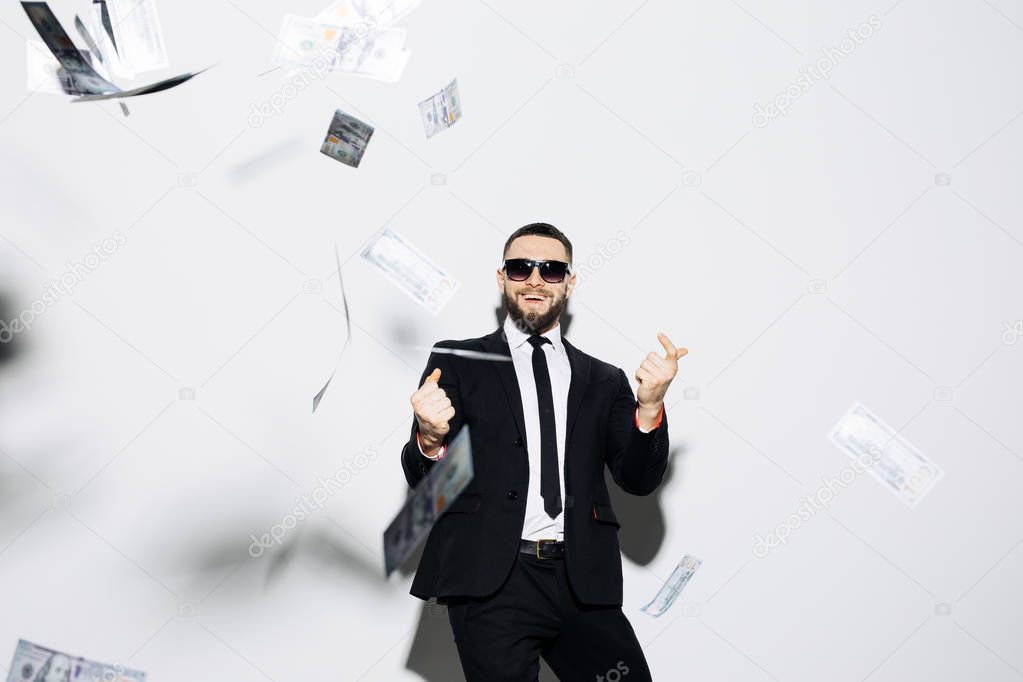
(432, 496)
(33, 662)
(77, 69)
(411, 270)
(673, 586)
(899, 466)
(45, 74)
(137, 34)
(346, 139)
(442, 110)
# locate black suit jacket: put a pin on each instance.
(473, 545)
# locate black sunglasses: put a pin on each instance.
(519, 269)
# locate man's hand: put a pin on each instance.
(654, 376)
(433, 411)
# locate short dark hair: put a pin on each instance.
(544, 230)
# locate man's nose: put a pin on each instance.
(534, 277)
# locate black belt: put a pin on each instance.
(543, 549)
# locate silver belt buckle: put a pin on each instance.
(538, 545)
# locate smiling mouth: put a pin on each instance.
(534, 298)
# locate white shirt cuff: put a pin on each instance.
(438, 456)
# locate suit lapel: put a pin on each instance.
(497, 343)
(580, 364)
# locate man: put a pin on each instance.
(527, 557)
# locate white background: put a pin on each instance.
(125, 511)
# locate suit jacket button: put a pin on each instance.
(518, 442)
(512, 495)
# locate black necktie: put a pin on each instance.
(550, 489)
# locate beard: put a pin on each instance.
(530, 321)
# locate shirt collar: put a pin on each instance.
(517, 337)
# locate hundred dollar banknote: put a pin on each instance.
(76, 71)
(442, 110)
(368, 13)
(34, 662)
(432, 496)
(387, 12)
(379, 54)
(302, 40)
(416, 275)
(471, 354)
(348, 331)
(85, 80)
(44, 73)
(673, 586)
(138, 34)
(346, 139)
(899, 466)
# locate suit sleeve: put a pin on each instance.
(414, 463)
(637, 460)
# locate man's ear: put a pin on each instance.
(500, 280)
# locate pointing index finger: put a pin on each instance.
(669, 347)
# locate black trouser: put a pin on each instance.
(535, 613)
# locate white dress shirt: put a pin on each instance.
(537, 523)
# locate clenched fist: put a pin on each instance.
(433, 411)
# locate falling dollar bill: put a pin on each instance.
(673, 586)
(432, 496)
(387, 12)
(442, 110)
(77, 69)
(379, 54)
(348, 331)
(370, 14)
(471, 354)
(138, 34)
(34, 662)
(346, 139)
(45, 74)
(899, 466)
(302, 40)
(411, 270)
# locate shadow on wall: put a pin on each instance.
(10, 344)
(642, 516)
